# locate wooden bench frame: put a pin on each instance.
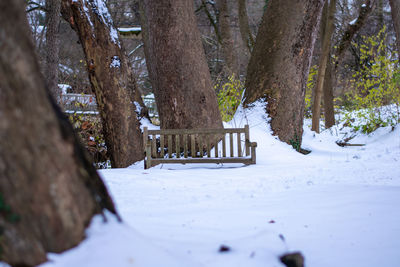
(155, 146)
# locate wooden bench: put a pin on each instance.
(231, 145)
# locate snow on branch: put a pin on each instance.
(100, 8)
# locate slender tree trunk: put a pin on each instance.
(49, 191)
(111, 79)
(52, 47)
(379, 11)
(177, 66)
(395, 9)
(245, 32)
(146, 41)
(280, 63)
(211, 18)
(227, 43)
(323, 62)
(329, 111)
(328, 96)
(352, 29)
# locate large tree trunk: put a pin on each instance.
(280, 63)
(177, 66)
(395, 9)
(111, 79)
(228, 48)
(49, 191)
(323, 62)
(53, 8)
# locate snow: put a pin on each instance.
(131, 29)
(144, 122)
(64, 88)
(353, 21)
(99, 8)
(337, 206)
(87, 14)
(116, 62)
(138, 108)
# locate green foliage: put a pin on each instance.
(265, 4)
(295, 143)
(8, 215)
(6, 212)
(312, 75)
(375, 96)
(229, 97)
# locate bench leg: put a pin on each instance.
(253, 155)
(147, 157)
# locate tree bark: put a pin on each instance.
(111, 79)
(352, 29)
(323, 63)
(395, 9)
(52, 47)
(329, 110)
(177, 66)
(227, 44)
(245, 32)
(49, 191)
(280, 63)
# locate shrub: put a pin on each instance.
(90, 132)
(229, 97)
(375, 96)
(312, 75)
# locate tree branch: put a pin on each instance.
(352, 29)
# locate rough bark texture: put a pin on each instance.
(227, 44)
(49, 191)
(323, 62)
(395, 9)
(352, 29)
(245, 32)
(111, 79)
(177, 66)
(52, 47)
(280, 62)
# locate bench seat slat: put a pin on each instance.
(185, 146)
(170, 146)
(247, 139)
(201, 146)
(239, 145)
(162, 145)
(177, 145)
(231, 143)
(193, 145)
(208, 145)
(154, 146)
(215, 146)
(224, 146)
(203, 160)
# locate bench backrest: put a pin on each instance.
(198, 145)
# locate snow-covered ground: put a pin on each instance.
(338, 206)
